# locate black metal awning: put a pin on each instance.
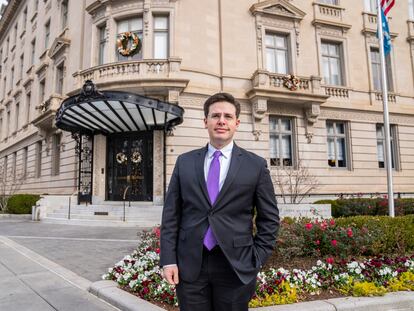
(107, 112)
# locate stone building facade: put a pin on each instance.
(327, 116)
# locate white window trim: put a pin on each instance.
(348, 144)
(344, 54)
(293, 124)
(392, 64)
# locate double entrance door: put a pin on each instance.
(130, 166)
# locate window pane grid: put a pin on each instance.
(332, 63)
(280, 130)
(381, 145)
(336, 139)
(277, 53)
(133, 25)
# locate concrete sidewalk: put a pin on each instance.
(31, 282)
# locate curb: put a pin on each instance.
(401, 301)
(112, 294)
(16, 216)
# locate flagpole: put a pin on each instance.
(388, 158)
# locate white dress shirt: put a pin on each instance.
(225, 159)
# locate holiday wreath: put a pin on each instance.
(123, 42)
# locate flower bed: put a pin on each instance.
(140, 274)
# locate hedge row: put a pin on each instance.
(366, 206)
(22, 203)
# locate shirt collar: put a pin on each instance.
(226, 150)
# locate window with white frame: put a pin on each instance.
(381, 146)
(24, 162)
(17, 119)
(411, 9)
(133, 25)
(24, 18)
(28, 106)
(277, 53)
(21, 66)
(337, 143)
(32, 51)
(371, 6)
(47, 34)
(332, 63)
(14, 165)
(64, 13)
(5, 168)
(332, 2)
(102, 44)
(42, 86)
(60, 78)
(161, 37)
(56, 139)
(281, 141)
(376, 70)
(38, 163)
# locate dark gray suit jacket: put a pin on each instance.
(188, 212)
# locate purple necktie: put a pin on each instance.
(213, 187)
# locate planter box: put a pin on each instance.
(305, 210)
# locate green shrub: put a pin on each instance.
(390, 235)
(368, 206)
(22, 203)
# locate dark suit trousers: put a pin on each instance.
(217, 288)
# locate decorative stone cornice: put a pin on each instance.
(8, 16)
(277, 8)
(58, 47)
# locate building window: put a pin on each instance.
(7, 45)
(59, 78)
(38, 163)
(47, 34)
(24, 18)
(64, 13)
(277, 53)
(17, 119)
(24, 162)
(332, 2)
(281, 141)
(337, 144)
(161, 37)
(411, 9)
(56, 154)
(376, 70)
(11, 78)
(28, 107)
(32, 52)
(102, 44)
(42, 86)
(332, 63)
(15, 33)
(8, 123)
(21, 66)
(36, 5)
(133, 25)
(4, 86)
(381, 145)
(14, 165)
(5, 168)
(371, 6)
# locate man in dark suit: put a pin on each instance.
(207, 245)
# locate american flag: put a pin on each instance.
(386, 5)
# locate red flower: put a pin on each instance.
(349, 232)
(308, 226)
(334, 243)
(157, 231)
(317, 242)
(157, 250)
(330, 260)
(332, 222)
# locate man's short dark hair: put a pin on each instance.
(221, 97)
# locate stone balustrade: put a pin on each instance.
(337, 91)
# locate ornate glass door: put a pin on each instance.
(129, 166)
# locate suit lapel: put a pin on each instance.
(199, 168)
(235, 163)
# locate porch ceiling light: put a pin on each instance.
(107, 112)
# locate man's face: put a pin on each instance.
(221, 123)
